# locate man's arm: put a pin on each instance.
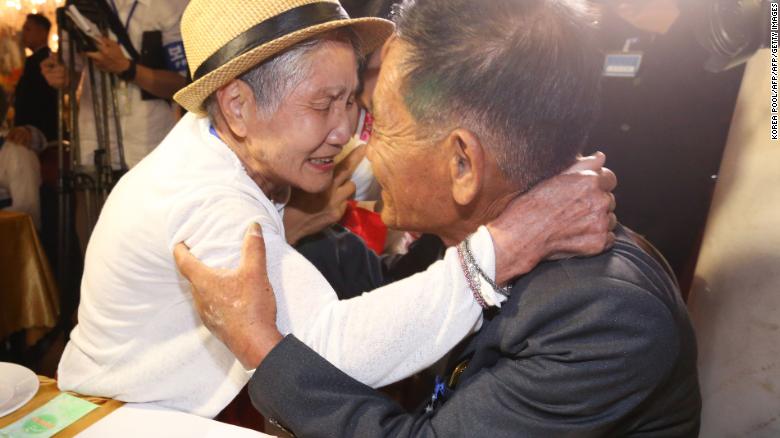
(161, 83)
(109, 57)
(582, 379)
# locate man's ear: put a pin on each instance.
(236, 102)
(467, 165)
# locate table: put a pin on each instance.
(130, 420)
(47, 391)
(141, 420)
(29, 299)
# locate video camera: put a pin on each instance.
(732, 31)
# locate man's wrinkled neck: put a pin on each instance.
(278, 193)
(475, 216)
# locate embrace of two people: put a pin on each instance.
(481, 110)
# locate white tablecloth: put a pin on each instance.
(141, 420)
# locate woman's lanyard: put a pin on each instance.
(129, 15)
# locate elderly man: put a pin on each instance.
(598, 346)
(277, 80)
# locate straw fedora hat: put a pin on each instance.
(223, 39)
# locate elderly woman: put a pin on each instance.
(269, 109)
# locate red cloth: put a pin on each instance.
(366, 224)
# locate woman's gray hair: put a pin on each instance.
(273, 80)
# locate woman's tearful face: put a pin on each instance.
(297, 144)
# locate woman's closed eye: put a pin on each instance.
(322, 106)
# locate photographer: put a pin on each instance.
(142, 92)
(663, 123)
(144, 120)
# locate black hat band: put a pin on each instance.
(271, 29)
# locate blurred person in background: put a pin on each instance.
(664, 121)
(145, 119)
(11, 60)
(35, 101)
(143, 92)
(20, 172)
(20, 179)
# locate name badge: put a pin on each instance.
(622, 64)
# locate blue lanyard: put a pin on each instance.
(129, 16)
(214, 132)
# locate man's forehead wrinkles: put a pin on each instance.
(386, 84)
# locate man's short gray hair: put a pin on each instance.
(521, 74)
(273, 80)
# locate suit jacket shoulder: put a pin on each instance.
(597, 345)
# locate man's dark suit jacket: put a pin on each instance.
(598, 346)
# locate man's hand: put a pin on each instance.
(109, 56)
(237, 306)
(310, 213)
(20, 135)
(54, 72)
(570, 214)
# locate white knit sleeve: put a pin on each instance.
(385, 335)
(379, 337)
